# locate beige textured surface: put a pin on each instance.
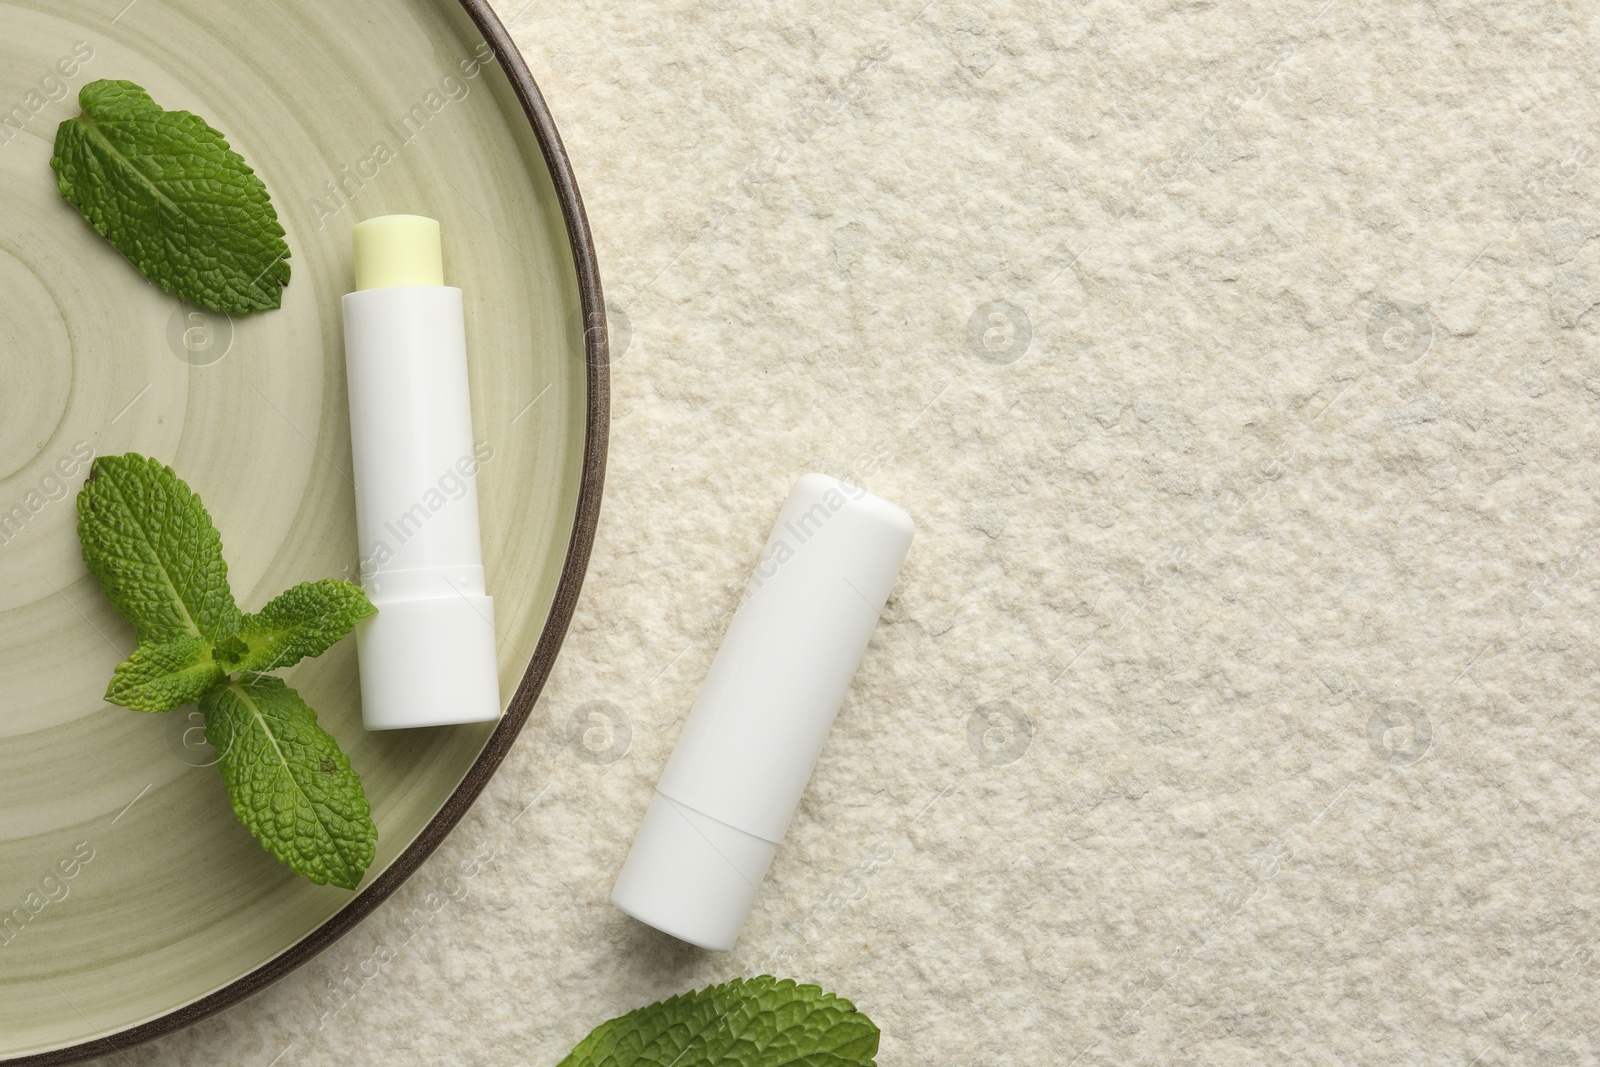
(1265, 495)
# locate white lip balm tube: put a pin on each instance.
(428, 657)
(753, 736)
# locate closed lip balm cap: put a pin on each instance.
(734, 780)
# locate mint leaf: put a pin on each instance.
(149, 540)
(166, 190)
(164, 676)
(754, 1022)
(291, 786)
(299, 622)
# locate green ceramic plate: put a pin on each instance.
(131, 902)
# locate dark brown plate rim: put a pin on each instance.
(597, 420)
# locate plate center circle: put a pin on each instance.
(36, 375)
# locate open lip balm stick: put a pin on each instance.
(755, 732)
(428, 657)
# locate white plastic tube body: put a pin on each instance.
(733, 783)
(428, 657)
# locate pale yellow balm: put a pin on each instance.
(396, 250)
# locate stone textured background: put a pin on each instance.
(1236, 702)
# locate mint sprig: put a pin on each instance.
(748, 1022)
(166, 190)
(151, 543)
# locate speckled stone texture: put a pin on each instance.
(1236, 703)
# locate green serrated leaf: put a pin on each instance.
(290, 784)
(300, 622)
(152, 545)
(166, 190)
(749, 1022)
(164, 676)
